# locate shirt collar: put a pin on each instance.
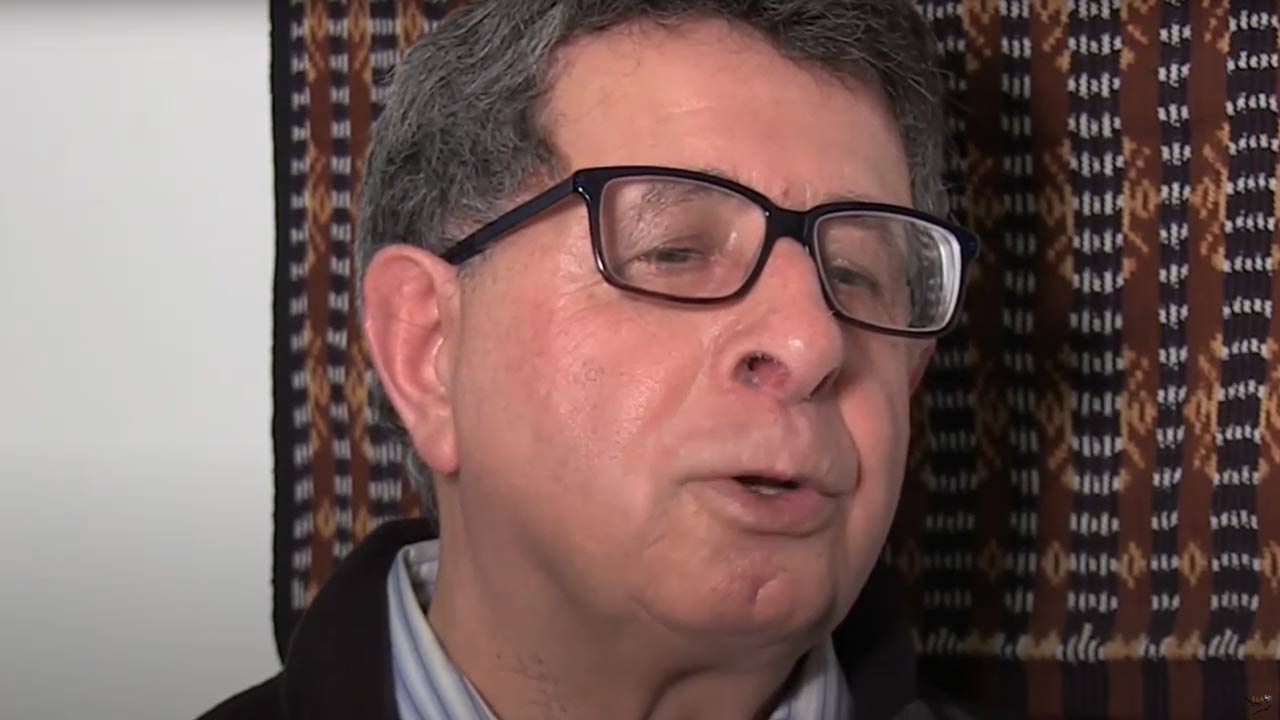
(428, 686)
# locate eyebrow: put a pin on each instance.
(660, 197)
(840, 196)
(664, 195)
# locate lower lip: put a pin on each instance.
(800, 511)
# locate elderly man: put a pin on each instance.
(648, 286)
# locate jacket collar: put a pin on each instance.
(339, 659)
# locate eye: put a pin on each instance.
(671, 254)
(681, 250)
(853, 278)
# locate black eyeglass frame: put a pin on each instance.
(589, 184)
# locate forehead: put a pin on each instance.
(712, 94)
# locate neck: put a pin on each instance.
(532, 651)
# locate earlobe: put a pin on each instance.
(411, 307)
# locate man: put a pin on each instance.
(648, 286)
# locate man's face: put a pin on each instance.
(599, 434)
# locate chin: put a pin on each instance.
(759, 607)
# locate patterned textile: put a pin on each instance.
(1091, 525)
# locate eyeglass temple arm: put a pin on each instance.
(476, 242)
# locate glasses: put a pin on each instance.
(691, 237)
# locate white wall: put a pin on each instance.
(135, 398)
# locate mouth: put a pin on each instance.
(762, 485)
(770, 505)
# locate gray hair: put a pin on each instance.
(462, 132)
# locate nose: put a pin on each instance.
(786, 343)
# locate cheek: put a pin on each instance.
(614, 380)
(879, 423)
(877, 403)
(876, 409)
(582, 382)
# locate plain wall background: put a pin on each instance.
(136, 250)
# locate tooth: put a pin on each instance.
(766, 489)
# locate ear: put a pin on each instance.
(411, 312)
(923, 353)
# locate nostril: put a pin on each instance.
(764, 371)
(760, 369)
(756, 359)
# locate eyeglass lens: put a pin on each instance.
(695, 240)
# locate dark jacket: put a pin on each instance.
(339, 662)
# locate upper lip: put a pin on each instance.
(815, 483)
(787, 449)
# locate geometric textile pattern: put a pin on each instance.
(1092, 521)
(1090, 527)
(336, 475)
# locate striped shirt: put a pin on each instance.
(429, 687)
